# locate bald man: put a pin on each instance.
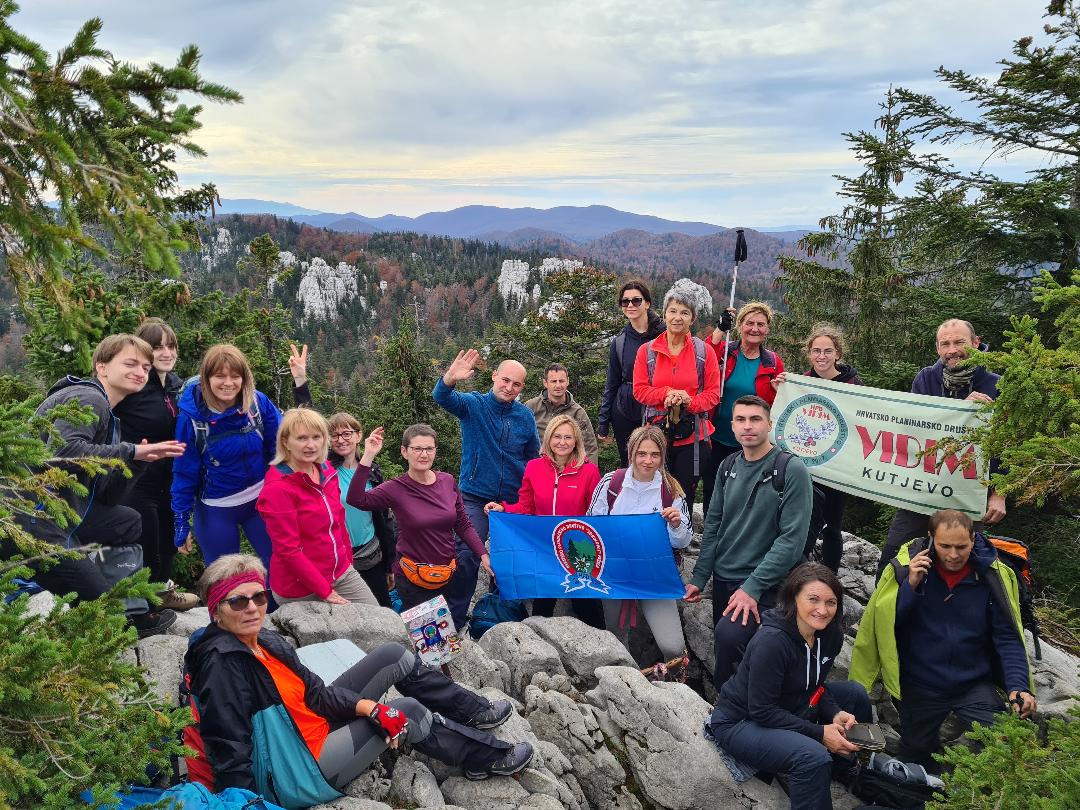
(498, 435)
(955, 339)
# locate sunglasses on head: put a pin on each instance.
(239, 603)
(636, 301)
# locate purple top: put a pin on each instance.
(427, 514)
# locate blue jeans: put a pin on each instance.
(459, 592)
(807, 763)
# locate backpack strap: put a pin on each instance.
(699, 357)
(256, 416)
(997, 592)
(620, 345)
(650, 360)
(726, 467)
(779, 473)
(615, 484)
(901, 570)
(202, 435)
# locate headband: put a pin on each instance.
(220, 589)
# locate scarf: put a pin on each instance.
(957, 381)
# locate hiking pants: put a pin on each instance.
(662, 616)
(905, 526)
(590, 611)
(923, 711)
(730, 638)
(709, 471)
(459, 591)
(807, 762)
(217, 530)
(622, 427)
(680, 463)
(434, 705)
(832, 540)
(349, 585)
(155, 508)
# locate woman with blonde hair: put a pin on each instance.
(373, 534)
(643, 488)
(750, 369)
(560, 482)
(300, 504)
(230, 433)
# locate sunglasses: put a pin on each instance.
(635, 301)
(239, 603)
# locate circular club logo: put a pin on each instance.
(812, 428)
(579, 548)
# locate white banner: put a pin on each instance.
(880, 444)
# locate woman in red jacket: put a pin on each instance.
(560, 482)
(751, 368)
(678, 372)
(301, 505)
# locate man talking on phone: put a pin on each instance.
(942, 631)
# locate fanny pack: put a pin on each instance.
(367, 556)
(427, 575)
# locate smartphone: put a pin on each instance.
(867, 736)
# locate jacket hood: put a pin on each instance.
(547, 402)
(847, 373)
(70, 381)
(212, 640)
(654, 329)
(831, 639)
(983, 553)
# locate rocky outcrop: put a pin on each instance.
(323, 289)
(365, 626)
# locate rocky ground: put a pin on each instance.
(605, 736)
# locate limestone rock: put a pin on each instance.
(540, 801)
(524, 652)
(372, 784)
(496, 793)
(698, 629)
(314, 622)
(40, 604)
(414, 785)
(673, 764)
(352, 803)
(582, 649)
(163, 659)
(1057, 680)
(188, 621)
(475, 669)
(858, 566)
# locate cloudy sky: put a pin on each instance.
(715, 110)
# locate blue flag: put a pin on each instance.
(608, 557)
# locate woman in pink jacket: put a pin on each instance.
(301, 505)
(560, 482)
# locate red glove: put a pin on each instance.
(392, 722)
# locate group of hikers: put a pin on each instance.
(213, 456)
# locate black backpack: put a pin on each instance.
(779, 478)
(886, 791)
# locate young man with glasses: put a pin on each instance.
(498, 436)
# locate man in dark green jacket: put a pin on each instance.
(754, 534)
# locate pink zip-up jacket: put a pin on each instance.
(546, 491)
(306, 524)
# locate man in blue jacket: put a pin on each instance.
(955, 339)
(498, 435)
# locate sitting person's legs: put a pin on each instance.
(806, 762)
(730, 638)
(852, 698)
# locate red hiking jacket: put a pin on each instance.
(681, 373)
(545, 491)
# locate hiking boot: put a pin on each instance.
(174, 599)
(515, 760)
(495, 714)
(154, 623)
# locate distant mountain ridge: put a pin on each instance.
(575, 223)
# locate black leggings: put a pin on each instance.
(590, 611)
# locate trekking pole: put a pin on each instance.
(740, 256)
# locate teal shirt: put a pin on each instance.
(739, 384)
(751, 535)
(357, 521)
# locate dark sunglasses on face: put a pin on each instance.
(239, 603)
(635, 301)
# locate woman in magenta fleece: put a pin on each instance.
(560, 482)
(428, 509)
(300, 503)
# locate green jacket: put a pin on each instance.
(874, 655)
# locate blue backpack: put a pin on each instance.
(491, 609)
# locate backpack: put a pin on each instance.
(203, 439)
(615, 485)
(491, 609)
(779, 478)
(1017, 556)
(885, 791)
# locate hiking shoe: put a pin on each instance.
(515, 760)
(173, 599)
(154, 623)
(495, 714)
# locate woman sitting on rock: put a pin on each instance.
(560, 482)
(271, 726)
(643, 488)
(300, 504)
(776, 713)
(429, 510)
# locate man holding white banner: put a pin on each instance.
(955, 339)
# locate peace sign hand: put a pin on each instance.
(298, 364)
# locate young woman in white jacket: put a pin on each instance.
(645, 487)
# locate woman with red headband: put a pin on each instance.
(270, 725)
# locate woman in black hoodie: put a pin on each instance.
(776, 713)
(619, 411)
(825, 348)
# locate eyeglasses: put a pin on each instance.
(345, 434)
(422, 451)
(239, 603)
(822, 352)
(635, 301)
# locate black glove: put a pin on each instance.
(725, 321)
